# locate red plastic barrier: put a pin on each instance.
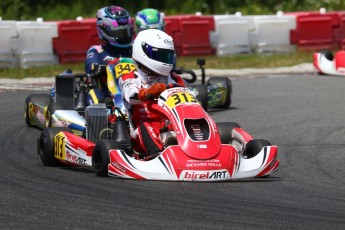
(339, 33)
(172, 25)
(191, 34)
(75, 38)
(315, 30)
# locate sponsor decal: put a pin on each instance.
(118, 166)
(205, 175)
(203, 163)
(109, 59)
(90, 55)
(341, 70)
(168, 41)
(80, 161)
(59, 123)
(123, 20)
(153, 134)
(82, 152)
(178, 89)
(74, 159)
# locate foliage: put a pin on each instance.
(66, 9)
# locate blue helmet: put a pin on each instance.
(114, 26)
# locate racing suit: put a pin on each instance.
(97, 58)
(145, 125)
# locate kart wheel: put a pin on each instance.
(253, 147)
(202, 96)
(46, 145)
(101, 158)
(52, 107)
(226, 83)
(42, 99)
(328, 55)
(225, 130)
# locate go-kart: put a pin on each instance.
(65, 105)
(213, 93)
(196, 148)
(325, 62)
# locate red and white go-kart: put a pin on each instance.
(198, 148)
(325, 62)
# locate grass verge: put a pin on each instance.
(266, 60)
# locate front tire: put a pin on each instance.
(253, 147)
(46, 145)
(225, 130)
(202, 96)
(101, 158)
(328, 55)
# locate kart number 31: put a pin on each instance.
(180, 98)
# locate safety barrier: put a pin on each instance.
(191, 34)
(74, 39)
(272, 33)
(32, 43)
(315, 30)
(231, 35)
(8, 30)
(26, 43)
(339, 32)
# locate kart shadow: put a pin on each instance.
(76, 169)
(259, 180)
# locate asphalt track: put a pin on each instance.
(303, 114)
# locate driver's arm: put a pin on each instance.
(92, 58)
(130, 86)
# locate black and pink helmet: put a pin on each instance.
(114, 26)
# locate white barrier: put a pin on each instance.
(8, 31)
(231, 34)
(34, 44)
(29, 43)
(272, 33)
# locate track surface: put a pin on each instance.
(303, 115)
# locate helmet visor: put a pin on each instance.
(158, 54)
(122, 34)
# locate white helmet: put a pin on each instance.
(154, 51)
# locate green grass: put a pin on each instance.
(267, 60)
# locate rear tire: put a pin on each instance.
(46, 145)
(225, 129)
(52, 107)
(226, 83)
(253, 147)
(43, 99)
(101, 158)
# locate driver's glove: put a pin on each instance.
(152, 93)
